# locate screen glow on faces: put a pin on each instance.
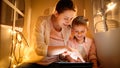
(79, 31)
(65, 18)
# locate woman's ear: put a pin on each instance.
(55, 13)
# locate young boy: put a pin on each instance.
(81, 42)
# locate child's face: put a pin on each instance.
(79, 31)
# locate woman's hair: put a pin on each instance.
(63, 5)
(79, 20)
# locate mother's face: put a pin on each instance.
(64, 19)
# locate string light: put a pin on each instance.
(19, 38)
(12, 32)
(18, 41)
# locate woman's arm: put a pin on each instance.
(56, 50)
(39, 37)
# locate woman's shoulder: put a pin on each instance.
(44, 17)
(42, 20)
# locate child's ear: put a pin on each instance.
(72, 34)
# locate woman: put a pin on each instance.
(52, 33)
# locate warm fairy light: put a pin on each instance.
(14, 66)
(11, 58)
(18, 46)
(22, 45)
(19, 38)
(26, 57)
(11, 31)
(110, 6)
(13, 42)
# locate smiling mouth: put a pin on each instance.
(65, 25)
(79, 37)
